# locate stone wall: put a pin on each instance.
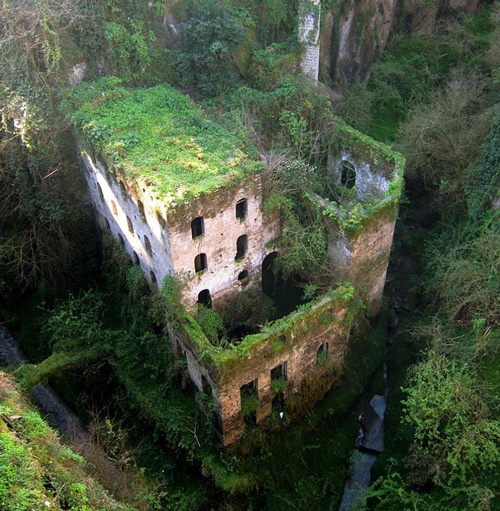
(222, 229)
(370, 258)
(372, 178)
(294, 342)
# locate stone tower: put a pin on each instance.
(309, 23)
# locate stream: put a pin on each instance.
(370, 441)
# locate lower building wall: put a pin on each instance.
(299, 345)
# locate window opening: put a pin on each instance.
(130, 225)
(142, 212)
(123, 190)
(113, 207)
(241, 209)
(153, 279)
(135, 258)
(322, 354)
(197, 227)
(107, 224)
(147, 245)
(348, 175)
(243, 275)
(122, 241)
(250, 403)
(200, 262)
(268, 275)
(161, 220)
(279, 372)
(278, 404)
(204, 298)
(101, 195)
(241, 246)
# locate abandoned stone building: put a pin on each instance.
(184, 199)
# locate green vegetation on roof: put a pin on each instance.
(159, 136)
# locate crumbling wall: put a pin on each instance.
(222, 229)
(294, 344)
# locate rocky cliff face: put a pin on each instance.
(353, 32)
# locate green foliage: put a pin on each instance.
(249, 403)
(210, 38)
(356, 109)
(303, 251)
(77, 322)
(278, 385)
(128, 49)
(486, 185)
(456, 446)
(464, 277)
(268, 65)
(36, 471)
(441, 139)
(290, 117)
(160, 135)
(212, 324)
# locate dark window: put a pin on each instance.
(153, 279)
(130, 225)
(241, 209)
(147, 245)
(268, 274)
(243, 275)
(205, 386)
(197, 227)
(279, 372)
(241, 246)
(278, 404)
(249, 402)
(107, 224)
(142, 212)
(161, 220)
(204, 298)
(200, 262)
(113, 207)
(322, 353)
(123, 190)
(348, 175)
(122, 241)
(101, 195)
(135, 258)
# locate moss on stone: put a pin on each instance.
(159, 136)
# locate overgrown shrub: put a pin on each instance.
(210, 38)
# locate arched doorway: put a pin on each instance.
(268, 274)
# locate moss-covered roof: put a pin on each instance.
(159, 135)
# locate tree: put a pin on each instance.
(210, 38)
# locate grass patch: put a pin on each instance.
(36, 470)
(159, 135)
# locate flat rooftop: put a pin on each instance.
(160, 137)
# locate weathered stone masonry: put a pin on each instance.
(309, 28)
